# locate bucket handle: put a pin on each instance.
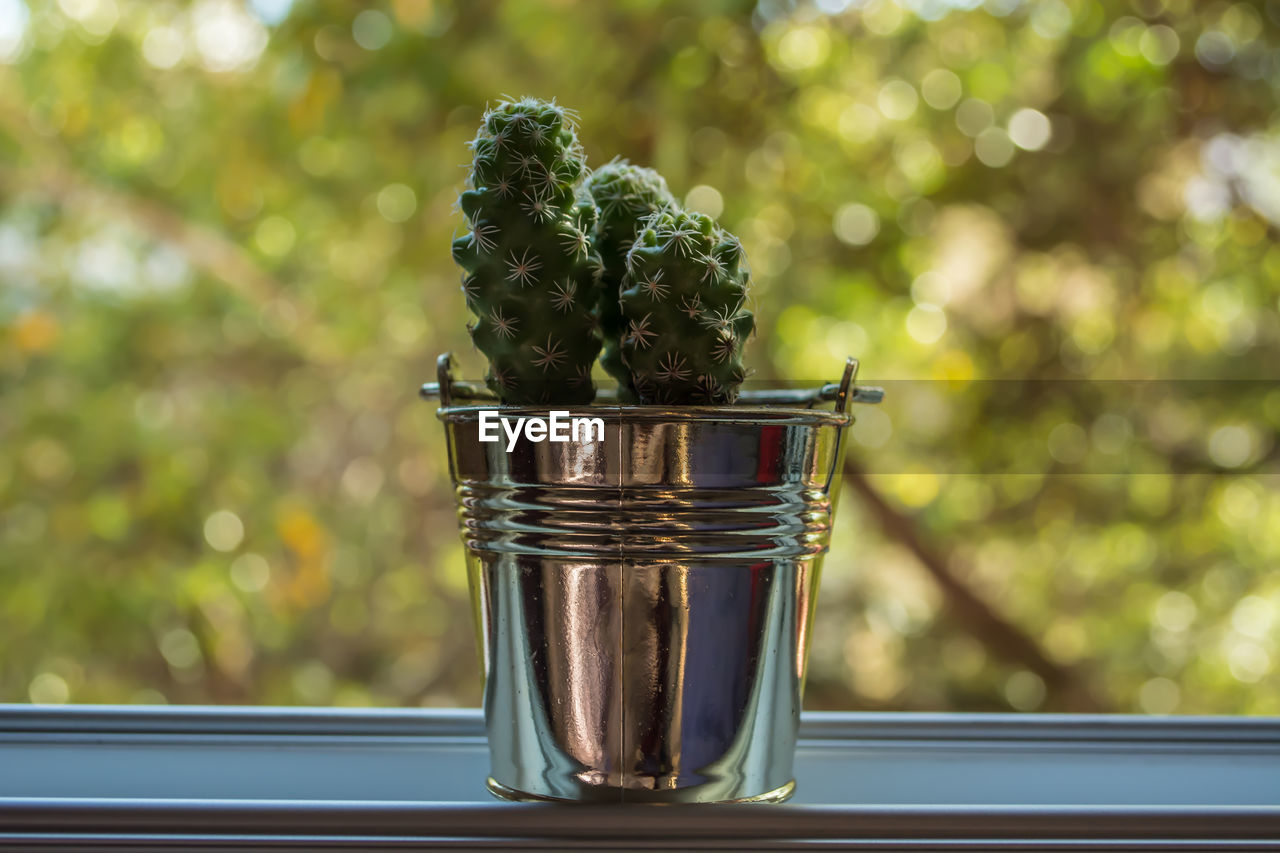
(444, 380)
(846, 384)
(447, 389)
(444, 390)
(843, 394)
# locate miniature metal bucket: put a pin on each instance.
(644, 602)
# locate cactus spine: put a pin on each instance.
(531, 272)
(683, 300)
(626, 196)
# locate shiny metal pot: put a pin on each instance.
(644, 602)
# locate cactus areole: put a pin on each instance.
(558, 265)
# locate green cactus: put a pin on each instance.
(683, 299)
(531, 273)
(626, 196)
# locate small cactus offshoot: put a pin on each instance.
(684, 303)
(531, 271)
(626, 196)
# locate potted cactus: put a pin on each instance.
(643, 593)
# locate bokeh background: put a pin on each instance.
(1048, 227)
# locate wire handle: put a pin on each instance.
(447, 390)
(846, 384)
(444, 381)
(844, 393)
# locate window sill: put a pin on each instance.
(222, 778)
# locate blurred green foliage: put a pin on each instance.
(224, 269)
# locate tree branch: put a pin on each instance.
(1004, 639)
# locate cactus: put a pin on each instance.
(531, 272)
(683, 299)
(626, 196)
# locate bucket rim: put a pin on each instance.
(762, 415)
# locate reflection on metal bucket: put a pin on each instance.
(644, 602)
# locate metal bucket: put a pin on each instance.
(644, 602)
